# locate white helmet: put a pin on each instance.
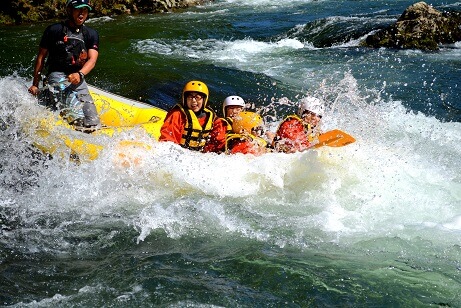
(312, 104)
(232, 101)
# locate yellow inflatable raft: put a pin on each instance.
(121, 115)
(118, 114)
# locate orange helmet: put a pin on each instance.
(195, 86)
(246, 121)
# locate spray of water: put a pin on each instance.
(398, 177)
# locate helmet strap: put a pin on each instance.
(69, 12)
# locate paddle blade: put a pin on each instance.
(334, 138)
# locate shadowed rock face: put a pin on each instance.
(419, 27)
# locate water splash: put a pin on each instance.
(386, 183)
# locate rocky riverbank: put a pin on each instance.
(27, 11)
(419, 27)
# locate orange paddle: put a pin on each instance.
(334, 138)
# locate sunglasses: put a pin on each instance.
(197, 97)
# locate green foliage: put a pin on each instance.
(27, 11)
(6, 20)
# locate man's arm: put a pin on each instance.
(172, 127)
(39, 63)
(75, 78)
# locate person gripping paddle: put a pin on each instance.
(301, 131)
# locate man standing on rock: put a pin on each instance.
(71, 51)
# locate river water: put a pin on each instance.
(375, 223)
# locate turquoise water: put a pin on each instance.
(376, 223)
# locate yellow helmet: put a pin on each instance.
(195, 86)
(246, 121)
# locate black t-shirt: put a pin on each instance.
(65, 46)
